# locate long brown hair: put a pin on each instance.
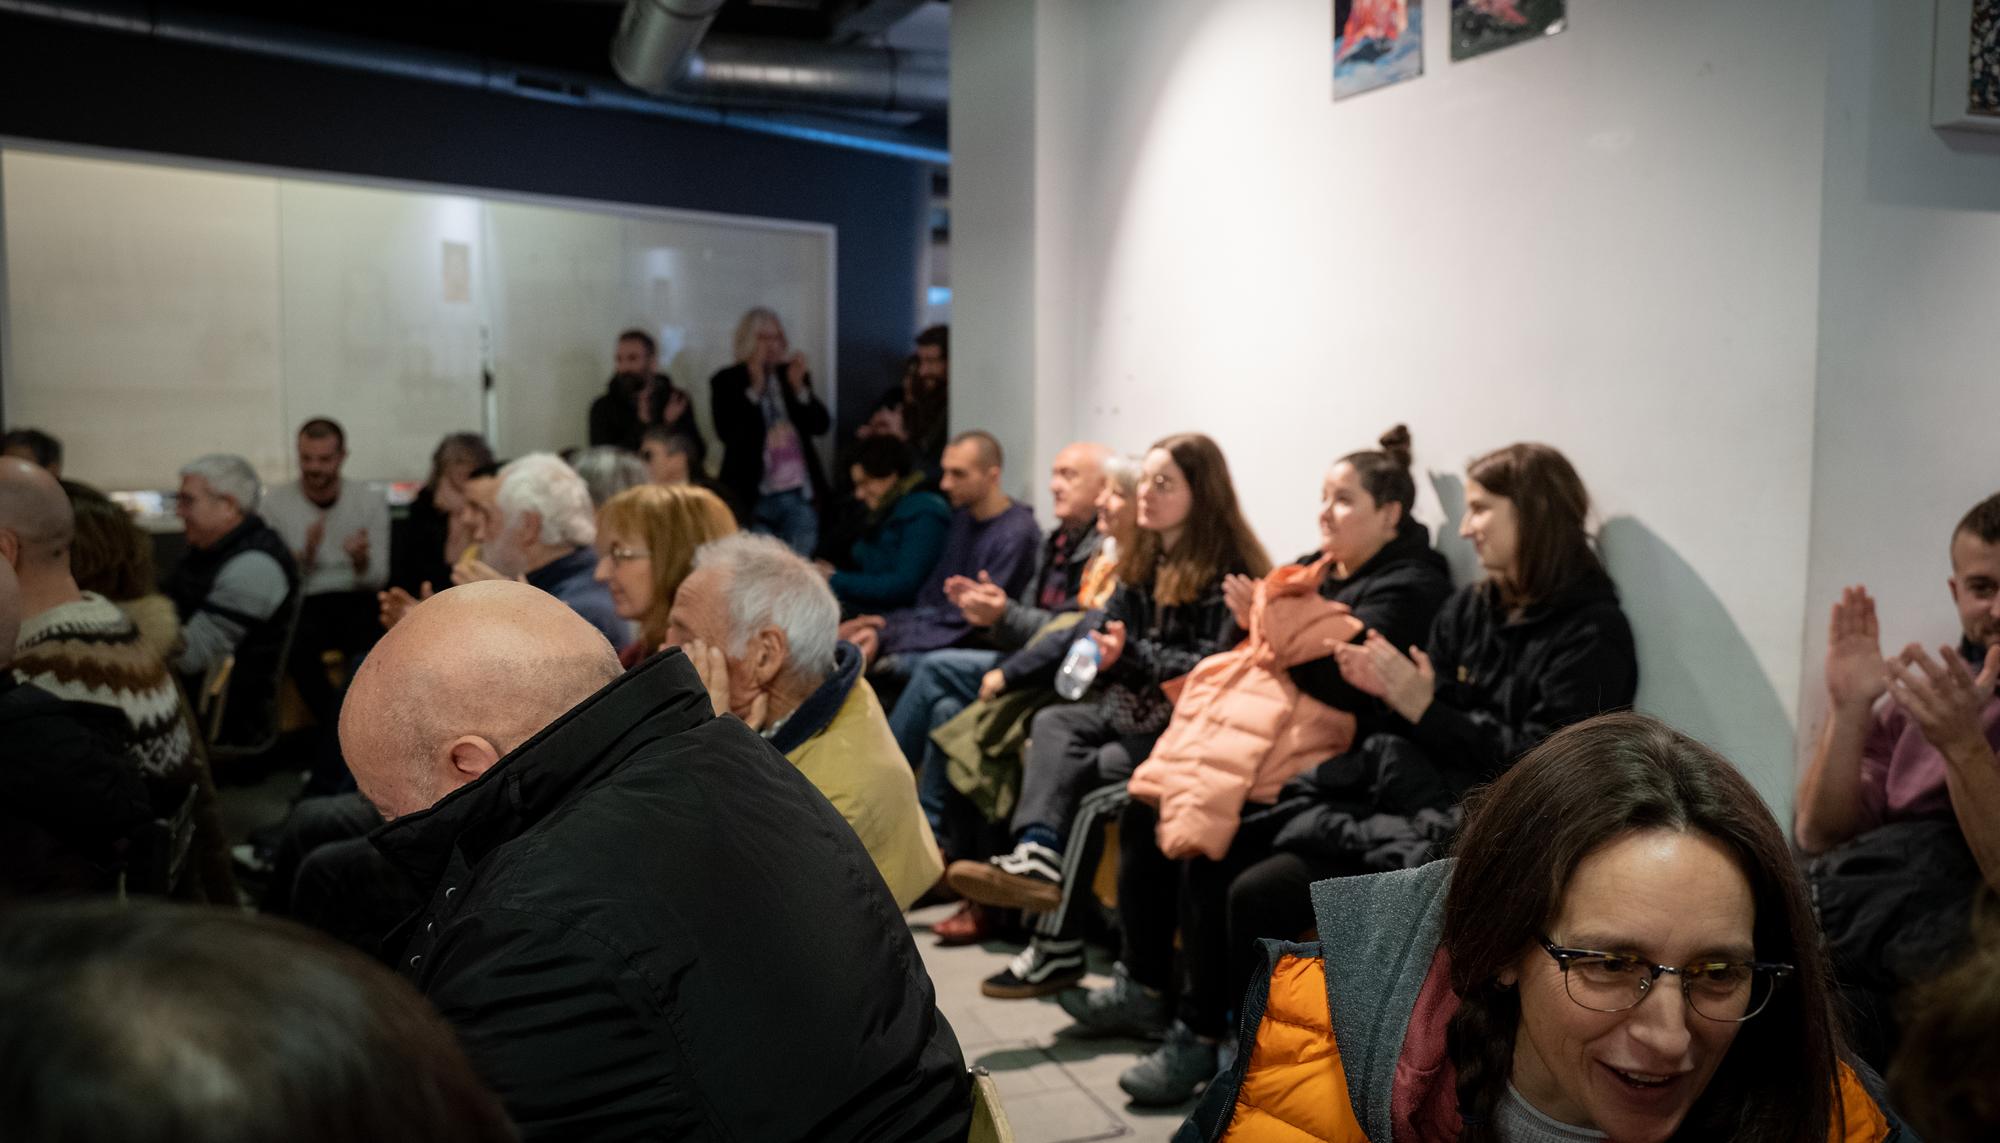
(672, 520)
(1552, 508)
(109, 554)
(1217, 540)
(1523, 839)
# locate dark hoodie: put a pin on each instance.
(1505, 684)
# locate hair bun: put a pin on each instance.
(1396, 442)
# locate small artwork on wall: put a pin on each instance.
(1376, 43)
(1966, 91)
(1481, 26)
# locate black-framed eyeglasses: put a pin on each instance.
(1729, 991)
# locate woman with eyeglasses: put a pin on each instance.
(1621, 947)
(646, 537)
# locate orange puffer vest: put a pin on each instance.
(1240, 727)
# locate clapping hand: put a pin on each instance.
(1944, 698)
(1375, 667)
(980, 601)
(991, 684)
(395, 603)
(1239, 592)
(864, 631)
(1855, 675)
(356, 547)
(795, 372)
(677, 407)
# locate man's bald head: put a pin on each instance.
(1076, 480)
(10, 612)
(36, 522)
(464, 678)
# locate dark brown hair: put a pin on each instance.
(1983, 522)
(1385, 473)
(320, 428)
(109, 554)
(157, 1023)
(470, 448)
(1217, 540)
(1524, 836)
(940, 336)
(1552, 508)
(643, 338)
(1945, 1078)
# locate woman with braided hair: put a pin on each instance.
(1507, 995)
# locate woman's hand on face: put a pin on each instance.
(1239, 592)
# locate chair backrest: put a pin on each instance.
(989, 1119)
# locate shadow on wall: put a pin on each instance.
(1696, 669)
(1456, 549)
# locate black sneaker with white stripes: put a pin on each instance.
(1045, 966)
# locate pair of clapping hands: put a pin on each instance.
(982, 602)
(1941, 693)
(395, 603)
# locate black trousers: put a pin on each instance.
(345, 622)
(1219, 908)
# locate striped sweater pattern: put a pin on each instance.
(89, 651)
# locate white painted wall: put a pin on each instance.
(1608, 241)
(155, 312)
(1909, 378)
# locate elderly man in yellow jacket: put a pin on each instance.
(760, 625)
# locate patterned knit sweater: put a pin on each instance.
(89, 651)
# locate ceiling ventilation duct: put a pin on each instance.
(655, 39)
(781, 73)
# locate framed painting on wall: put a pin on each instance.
(1965, 95)
(1481, 26)
(1376, 43)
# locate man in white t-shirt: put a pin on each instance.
(338, 530)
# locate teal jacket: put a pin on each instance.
(894, 557)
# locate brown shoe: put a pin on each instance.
(988, 884)
(969, 926)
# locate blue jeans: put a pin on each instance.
(791, 517)
(942, 683)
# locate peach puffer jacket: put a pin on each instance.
(1241, 729)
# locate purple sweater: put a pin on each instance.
(1003, 547)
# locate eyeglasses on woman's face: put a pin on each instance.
(624, 554)
(1730, 991)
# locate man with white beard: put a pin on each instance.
(533, 523)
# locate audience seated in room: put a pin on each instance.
(1621, 945)
(81, 648)
(1374, 563)
(163, 1024)
(901, 537)
(990, 535)
(985, 737)
(636, 839)
(766, 414)
(70, 798)
(233, 590)
(607, 471)
(638, 397)
(424, 544)
(338, 531)
(35, 446)
(534, 523)
(1900, 798)
(646, 541)
(759, 625)
(1167, 614)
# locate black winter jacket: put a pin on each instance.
(614, 416)
(739, 424)
(70, 797)
(646, 924)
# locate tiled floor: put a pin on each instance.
(1054, 1089)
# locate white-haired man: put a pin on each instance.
(232, 588)
(760, 625)
(534, 523)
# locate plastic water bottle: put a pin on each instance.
(1079, 667)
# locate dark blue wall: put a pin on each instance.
(74, 85)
